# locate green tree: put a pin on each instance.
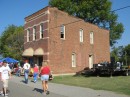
(94, 11)
(114, 53)
(11, 42)
(121, 54)
(127, 54)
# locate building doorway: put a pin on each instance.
(40, 60)
(90, 61)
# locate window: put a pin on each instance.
(81, 35)
(73, 60)
(28, 35)
(91, 37)
(62, 32)
(34, 33)
(41, 31)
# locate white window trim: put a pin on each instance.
(62, 27)
(28, 32)
(38, 24)
(91, 38)
(41, 30)
(34, 33)
(73, 60)
(81, 35)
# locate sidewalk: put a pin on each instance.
(69, 91)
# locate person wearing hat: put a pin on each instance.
(5, 75)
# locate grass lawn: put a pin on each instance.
(120, 84)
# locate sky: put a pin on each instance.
(14, 12)
(124, 18)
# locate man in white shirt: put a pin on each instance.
(5, 75)
(1, 83)
(26, 68)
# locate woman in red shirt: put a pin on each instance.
(45, 72)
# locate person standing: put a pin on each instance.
(1, 83)
(5, 75)
(35, 73)
(26, 68)
(18, 72)
(45, 72)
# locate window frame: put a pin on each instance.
(81, 35)
(73, 59)
(28, 35)
(41, 31)
(62, 31)
(34, 33)
(91, 37)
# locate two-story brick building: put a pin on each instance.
(68, 43)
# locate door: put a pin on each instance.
(90, 61)
(40, 60)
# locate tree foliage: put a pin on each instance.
(11, 42)
(94, 11)
(127, 54)
(114, 53)
(122, 54)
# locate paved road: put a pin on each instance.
(19, 89)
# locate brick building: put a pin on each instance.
(68, 43)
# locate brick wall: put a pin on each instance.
(60, 50)
(35, 20)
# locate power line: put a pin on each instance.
(67, 23)
(120, 8)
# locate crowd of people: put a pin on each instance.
(5, 74)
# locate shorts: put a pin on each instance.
(44, 77)
(5, 83)
(1, 85)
